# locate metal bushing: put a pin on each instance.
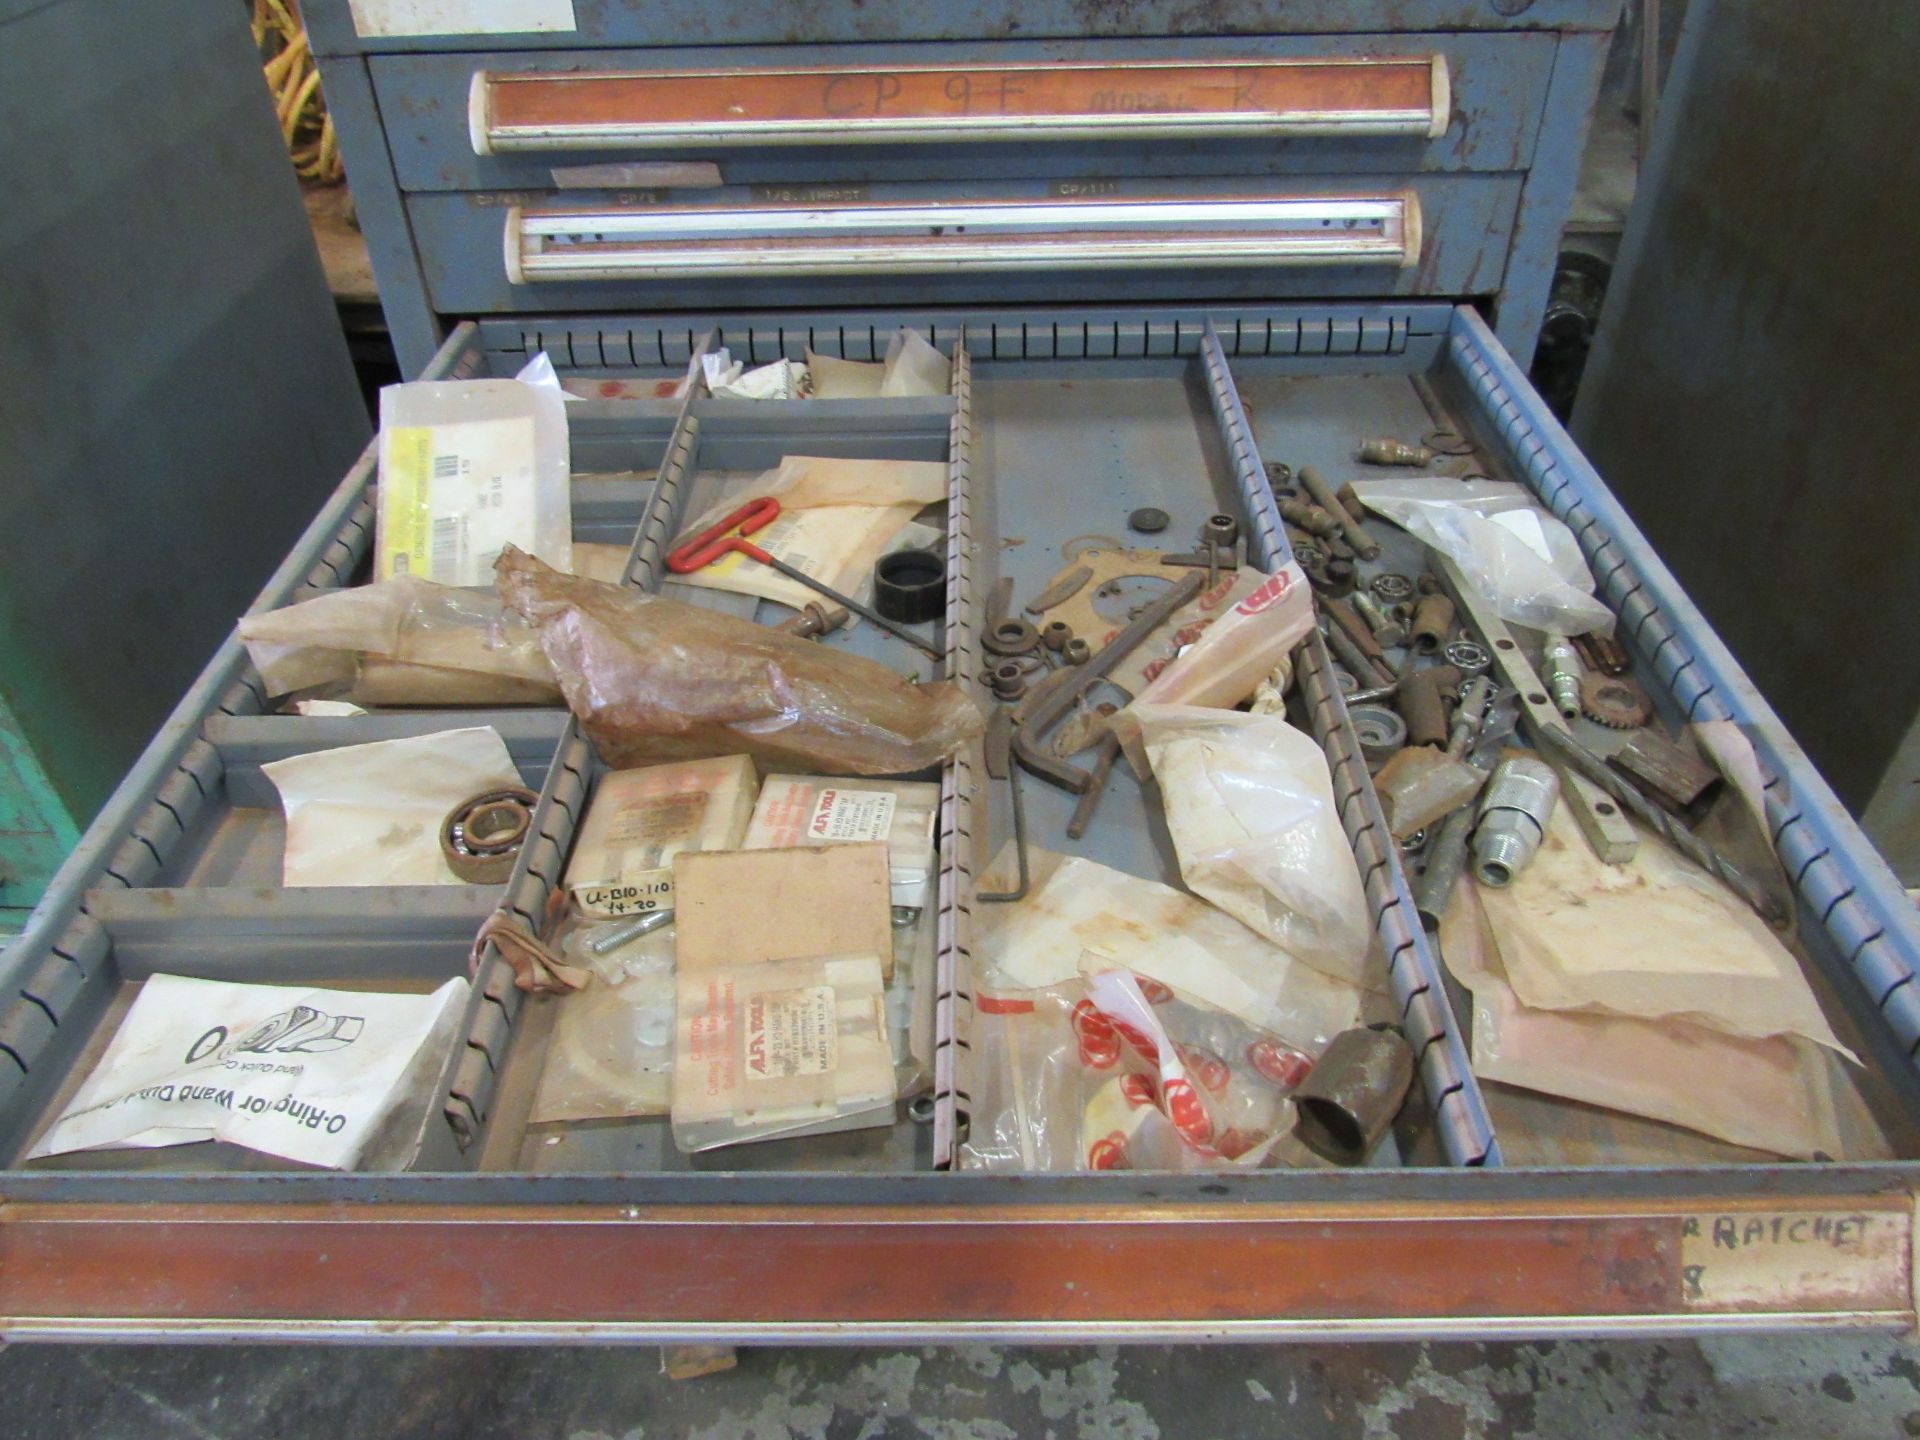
(1076, 651)
(1381, 732)
(1424, 700)
(910, 586)
(1348, 1100)
(1432, 623)
(481, 837)
(1056, 635)
(1010, 637)
(1008, 679)
(1220, 530)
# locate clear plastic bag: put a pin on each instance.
(1523, 561)
(1120, 1071)
(1241, 647)
(610, 1052)
(467, 468)
(1076, 906)
(439, 635)
(652, 679)
(1249, 802)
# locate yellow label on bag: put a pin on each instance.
(453, 496)
(406, 502)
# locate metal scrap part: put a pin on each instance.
(1617, 703)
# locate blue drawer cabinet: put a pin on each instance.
(1079, 390)
(447, 135)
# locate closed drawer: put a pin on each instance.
(1249, 107)
(504, 252)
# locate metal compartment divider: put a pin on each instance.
(474, 1071)
(959, 789)
(1459, 1110)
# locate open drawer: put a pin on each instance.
(1488, 1211)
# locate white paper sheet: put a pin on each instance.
(309, 1075)
(371, 814)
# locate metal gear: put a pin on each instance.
(1614, 702)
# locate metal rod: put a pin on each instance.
(890, 626)
(1764, 903)
(1096, 787)
(1364, 545)
(1019, 891)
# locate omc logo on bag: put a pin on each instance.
(301, 1030)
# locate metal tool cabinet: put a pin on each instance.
(1493, 1212)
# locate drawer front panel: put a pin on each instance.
(1443, 235)
(846, 115)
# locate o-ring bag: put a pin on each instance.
(653, 679)
(1121, 1072)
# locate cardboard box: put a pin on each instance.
(743, 907)
(638, 820)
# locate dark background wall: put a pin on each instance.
(175, 395)
(1752, 391)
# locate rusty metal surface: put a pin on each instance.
(1505, 1267)
(616, 109)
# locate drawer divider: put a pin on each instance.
(1460, 1115)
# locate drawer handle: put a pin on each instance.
(659, 244)
(520, 111)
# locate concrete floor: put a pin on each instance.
(1833, 1387)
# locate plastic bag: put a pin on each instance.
(1119, 1071)
(1780, 1094)
(467, 468)
(412, 625)
(1240, 648)
(320, 1077)
(1654, 937)
(1520, 559)
(1249, 802)
(610, 1052)
(1076, 906)
(653, 680)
